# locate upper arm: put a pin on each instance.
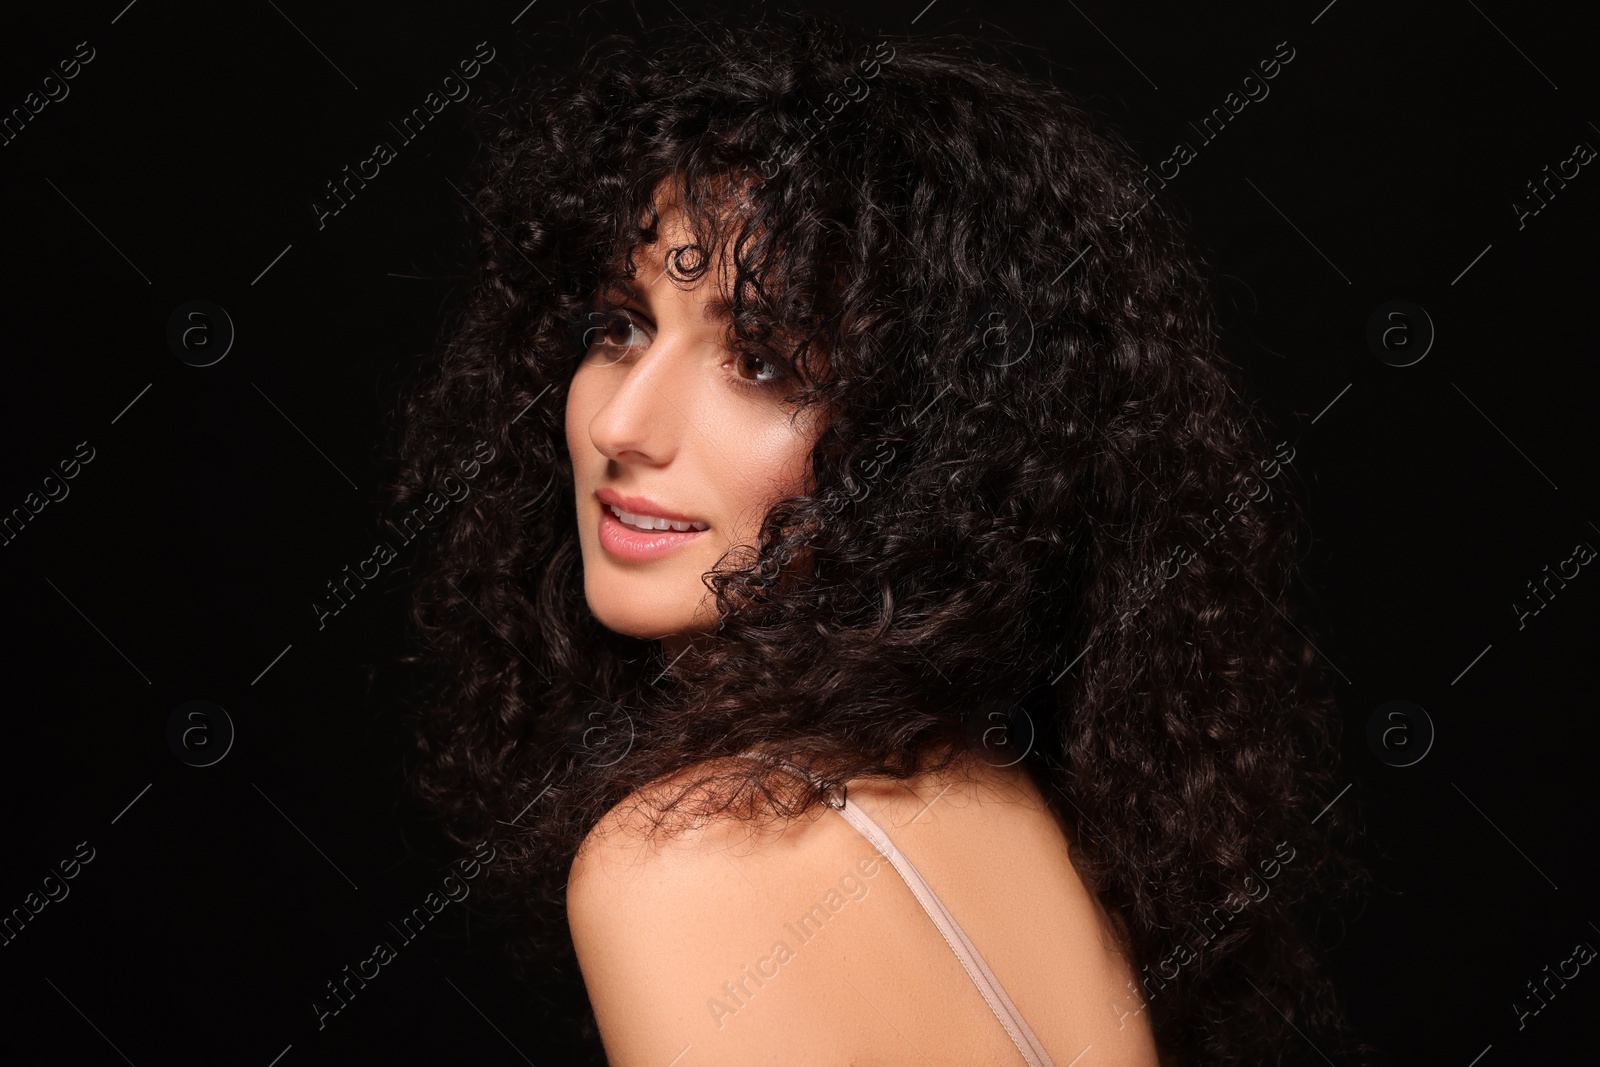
(718, 948)
(673, 938)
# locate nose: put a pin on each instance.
(642, 418)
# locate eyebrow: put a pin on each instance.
(717, 309)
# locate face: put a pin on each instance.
(689, 440)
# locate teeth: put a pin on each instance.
(651, 522)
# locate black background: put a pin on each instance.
(1383, 165)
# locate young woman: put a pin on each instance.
(871, 645)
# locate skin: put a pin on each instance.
(660, 925)
(661, 408)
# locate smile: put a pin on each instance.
(621, 539)
(652, 522)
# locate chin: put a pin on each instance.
(625, 606)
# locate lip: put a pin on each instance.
(639, 546)
(638, 505)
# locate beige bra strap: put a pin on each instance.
(972, 960)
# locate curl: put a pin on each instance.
(1028, 423)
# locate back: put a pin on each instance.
(797, 937)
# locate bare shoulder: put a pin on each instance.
(723, 944)
(674, 933)
(626, 852)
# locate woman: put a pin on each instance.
(874, 499)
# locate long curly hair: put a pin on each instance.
(1036, 489)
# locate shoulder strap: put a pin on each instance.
(972, 960)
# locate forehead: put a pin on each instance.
(678, 261)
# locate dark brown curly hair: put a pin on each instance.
(1032, 491)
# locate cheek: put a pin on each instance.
(789, 454)
(762, 464)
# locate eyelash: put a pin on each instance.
(602, 320)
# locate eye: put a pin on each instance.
(763, 371)
(608, 334)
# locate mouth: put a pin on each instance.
(654, 523)
(636, 536)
